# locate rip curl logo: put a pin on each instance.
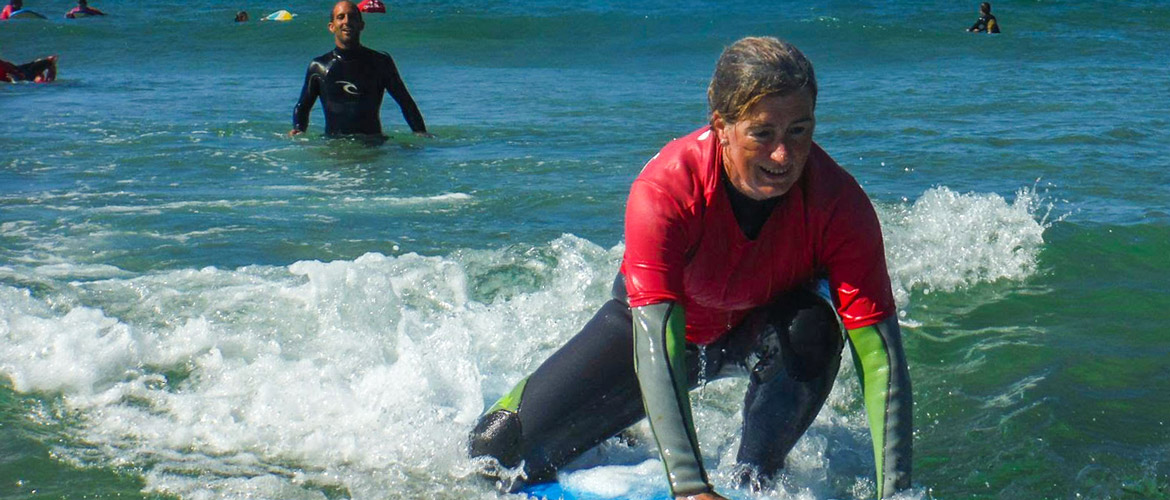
(348, 87)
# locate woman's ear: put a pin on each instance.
(720, 127)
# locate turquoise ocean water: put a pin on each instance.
(194, 305)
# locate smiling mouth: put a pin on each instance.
(776, 171)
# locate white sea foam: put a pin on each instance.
(361, 378)
(376, 202)
(946, 241)
(364, 375)
(44, 350)
(80, 271)
(643, 480)
(418, 200)
(187, 236)
(179, 206)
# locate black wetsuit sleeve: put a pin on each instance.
(397, 89)
(309, 93)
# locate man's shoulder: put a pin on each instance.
(324, 58)
(379, 55)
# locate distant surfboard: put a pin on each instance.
(25, 14)
(280, 15)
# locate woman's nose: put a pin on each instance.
(780, 153)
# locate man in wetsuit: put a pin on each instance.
(986, 23)
(42, 70)
(350, 80)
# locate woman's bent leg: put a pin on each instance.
(794, 362)
(583, 394)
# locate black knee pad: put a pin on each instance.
(801, 336)
(497, 435)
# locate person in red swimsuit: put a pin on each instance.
(749, 251)
(13, 6)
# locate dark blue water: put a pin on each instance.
(194, 304)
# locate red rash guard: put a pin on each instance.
(684, 245)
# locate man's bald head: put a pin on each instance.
(346, 24)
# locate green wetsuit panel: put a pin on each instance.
(885, 386)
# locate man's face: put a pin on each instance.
(346, 24)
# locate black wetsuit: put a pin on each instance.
(350, 84)
(986, 23)
(589, 390)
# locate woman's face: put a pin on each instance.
(765, 151)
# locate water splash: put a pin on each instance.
(946, 241)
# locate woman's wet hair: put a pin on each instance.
(755, 67)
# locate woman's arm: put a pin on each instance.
(885, 385)
(660, 362)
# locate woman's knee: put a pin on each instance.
(497, 435)
(802, 336)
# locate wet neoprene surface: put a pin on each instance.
(350, 84)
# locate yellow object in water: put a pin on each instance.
(280, 15)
